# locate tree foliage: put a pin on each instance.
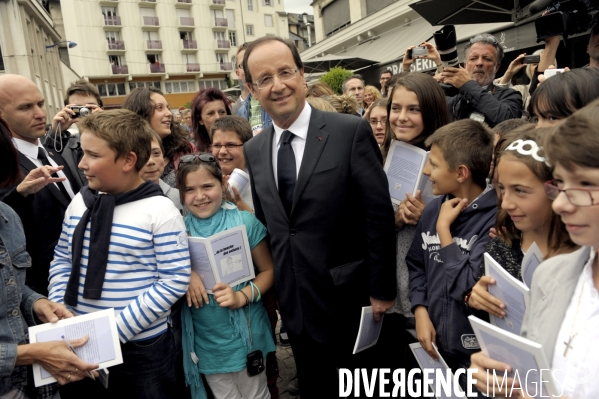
(335, 78)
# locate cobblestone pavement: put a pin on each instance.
(286, 367)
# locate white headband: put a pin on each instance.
(533, 150)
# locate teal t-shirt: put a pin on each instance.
(217, 340)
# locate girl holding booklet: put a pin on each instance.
(416, 108)
(563, 311)
(524, 216)
(223, 331)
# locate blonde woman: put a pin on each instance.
(371, 94)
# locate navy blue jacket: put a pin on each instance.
(439, 276)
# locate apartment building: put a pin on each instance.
(26, 28)
(178, 46)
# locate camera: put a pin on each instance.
(552, 72)
(446, 41)
(255, 363)
(567, 17)
(417, 52)
(80, 111)
(531, 59)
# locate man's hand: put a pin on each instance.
(66, 116)
(50, 312)
(380, 306)
(513, 68)
(457, 77)
(407, 61)
(37, 179)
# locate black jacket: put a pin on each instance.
(494, 103)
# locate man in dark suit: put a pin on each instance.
(41, 198)
(319, 187)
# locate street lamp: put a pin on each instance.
(305, 17)
(70, 44)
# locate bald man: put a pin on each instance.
(39, 199)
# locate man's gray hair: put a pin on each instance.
(356, 76)
(485, 38)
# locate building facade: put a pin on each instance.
(26, 28)
(178, 46)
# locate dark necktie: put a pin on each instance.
(286, 175)
(41, 155)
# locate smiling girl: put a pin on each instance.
(525, 214)
(217, 327)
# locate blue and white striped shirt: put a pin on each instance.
(148, 265)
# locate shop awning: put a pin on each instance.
(461, 12)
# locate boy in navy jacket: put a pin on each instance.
(447, 252)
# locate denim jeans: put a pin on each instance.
(147, 372)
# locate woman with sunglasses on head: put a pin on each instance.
(563, 311)
(206, 107)
(150, 104)
(217, 327)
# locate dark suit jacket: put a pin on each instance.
(339, 242)
(42, 214)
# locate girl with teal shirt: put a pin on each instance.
(216, 336)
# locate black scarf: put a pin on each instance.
(100, 207)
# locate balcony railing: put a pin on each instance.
(226, 66)
(153, 21)
(154, 44)
(193, 67)
(112, 20)
(157, 68)
(184, 1)
(120, 69)
(220, 43)
(116, 45)
(221, 22)
(190, 44)
(218, 2)
(148, 1)
(186, 21)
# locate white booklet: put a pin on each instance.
(224, 257)
(532, 259)
(525, 357)
(369, 331)
(103, 346)
(425, 361)
(509, 290)
(404, 167)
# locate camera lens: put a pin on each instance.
(84, 111)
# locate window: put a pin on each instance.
(268, 20)
(249, 30)
(111, 89)
(230, 18)
(233, 38)
(267, 2)
(250, 5)
(1, 60)
(133, 85)
(219, 35)
(218, 84)
(180, 87)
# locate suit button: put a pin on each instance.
(15, 312)
(292, 232)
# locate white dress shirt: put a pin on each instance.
(578, 372)
(300, 129)
(31, 150)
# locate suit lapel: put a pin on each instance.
(29, 166)
(315, 142)
(266, 152)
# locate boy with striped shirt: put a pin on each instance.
(123, 246)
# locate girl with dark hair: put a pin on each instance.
(563, 94)
(524, 215)
(216, 326)
(206, 107)
(150, 104)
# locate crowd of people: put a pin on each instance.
(96, 212)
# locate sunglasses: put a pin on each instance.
(203, 157)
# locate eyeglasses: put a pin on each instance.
(484, 38)
(203, 157)
(228, 146)
(576, 196)
(267, 81)
(374, 122)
